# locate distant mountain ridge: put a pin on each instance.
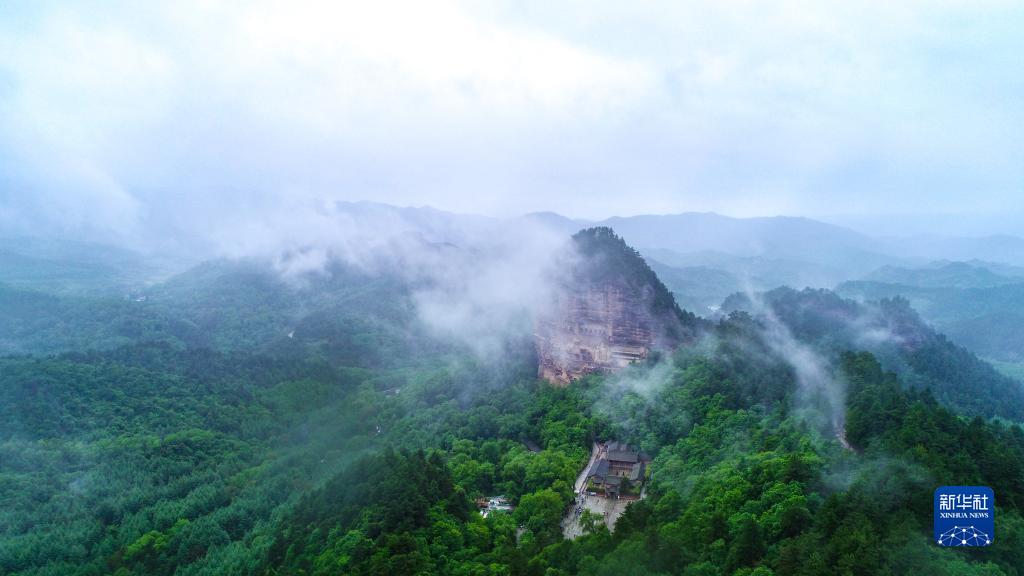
(1002, 248)
(950, 274)
(65, 266)
(792, 237)
(777, 237)
(974, 306)
(700, 257)
(894, 332)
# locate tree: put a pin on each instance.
(747, 546)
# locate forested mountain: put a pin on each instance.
(897, 335)
(499, 288)
(974, 305)
(241, 419)
(702, 280)
(223, 305)
(703, 258)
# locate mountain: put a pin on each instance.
(977, 303)
(73, 267)
(986, 319)
(780, 237)
(761, 253)
(995, 267)
(942, 274)
(561, 224)
(609, 311)
(704, 257)
(895, 333)
(369, 222)
(293, 414)
(777, 237)
(997, 336)
(701, 280)
(699, 289)
(225, 305)
(1002, 248)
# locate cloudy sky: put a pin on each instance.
(130, 118)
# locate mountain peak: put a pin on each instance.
(611, 310)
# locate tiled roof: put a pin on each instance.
(621, 452)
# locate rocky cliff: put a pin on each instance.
(610, 310)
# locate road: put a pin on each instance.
(581, 481)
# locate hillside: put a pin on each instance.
(270, 427)
(894, 332)
(499, 288)
(983, 318)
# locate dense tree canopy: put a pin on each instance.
(358, 445)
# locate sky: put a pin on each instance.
(129, 120)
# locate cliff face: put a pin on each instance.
(611, 311)
(593, 329)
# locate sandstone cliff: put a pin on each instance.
(611, 310)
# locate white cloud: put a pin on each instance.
(164, 110)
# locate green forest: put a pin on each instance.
(191, 433)
(511, 288)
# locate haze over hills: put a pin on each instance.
(974, 274)
(896, 334)
(339, 405)
(702, 257)
(786, 237)
(687, 239)
(969, 288)
(70, 266)
(500, 288)
(973, 304)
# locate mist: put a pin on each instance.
(483, 286)
(195, 126)
(475, 280)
